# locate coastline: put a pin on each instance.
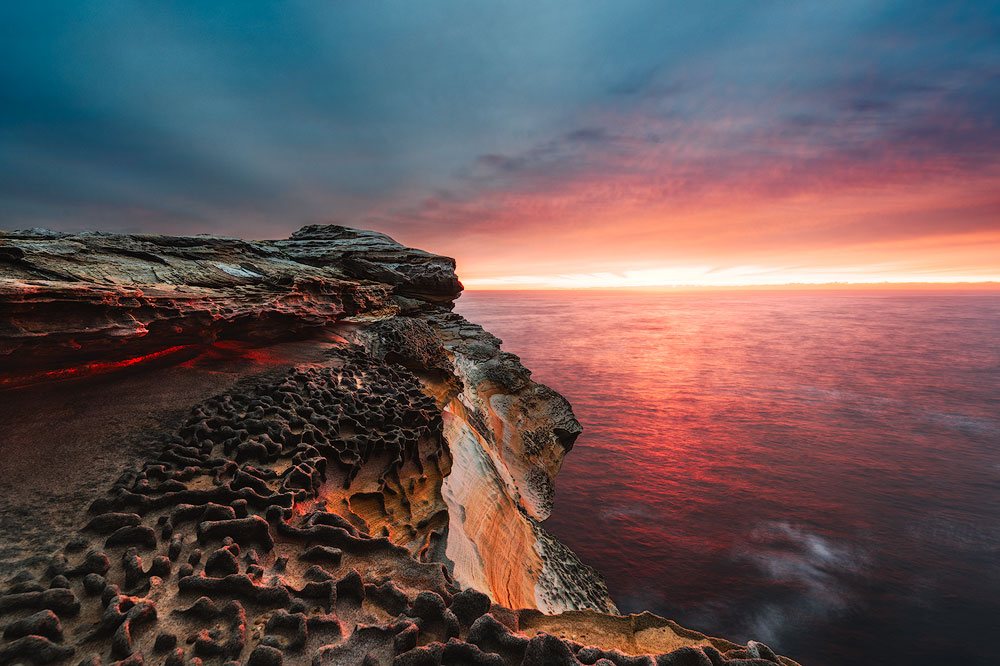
(426, 501)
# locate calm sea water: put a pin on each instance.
(818, 470)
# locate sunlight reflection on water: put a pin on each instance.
(816, 469)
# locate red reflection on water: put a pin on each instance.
(818, 470)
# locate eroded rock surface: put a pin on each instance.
(376, 502)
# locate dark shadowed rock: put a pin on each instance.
(43, 623)
(264, 655)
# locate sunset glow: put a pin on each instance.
(739, 276)
(632, 144)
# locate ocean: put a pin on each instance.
(819, 470)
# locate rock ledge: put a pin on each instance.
(342, 470)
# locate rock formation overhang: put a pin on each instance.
(69, 300)
(377, 500)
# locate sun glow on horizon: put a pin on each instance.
(707, 277)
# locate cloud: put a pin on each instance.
(524, 139)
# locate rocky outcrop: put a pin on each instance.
(69, 300)
(378, 499)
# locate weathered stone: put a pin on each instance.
(265, 656)
(252, 529)
(35, 649)
(60, 600)
(469, 605)
(135, 535)
(43, 623)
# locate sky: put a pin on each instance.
(542, 144)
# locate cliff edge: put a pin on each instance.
(283, 451)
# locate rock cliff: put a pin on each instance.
(314, 460)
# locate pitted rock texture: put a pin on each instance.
(378, 505)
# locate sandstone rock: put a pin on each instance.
(135, 535)
(35, 649)
(60, 600)
(265, 656)
(43, 623)
(469, 605)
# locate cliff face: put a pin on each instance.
(336, 457)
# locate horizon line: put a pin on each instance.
(980, 285)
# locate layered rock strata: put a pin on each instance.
(376, 501)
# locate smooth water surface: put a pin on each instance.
(819, 470)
